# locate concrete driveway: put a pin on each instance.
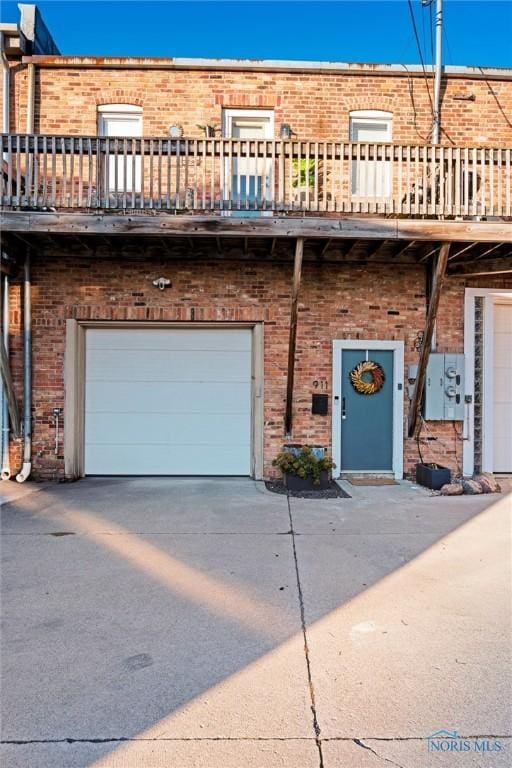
(207, 622)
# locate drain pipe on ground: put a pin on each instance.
(5, 472)
(27, 374)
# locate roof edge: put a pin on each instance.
(274, 65)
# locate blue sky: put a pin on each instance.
(477, 32)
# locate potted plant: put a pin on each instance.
(303, 470)
(432, 476)
(208, 130)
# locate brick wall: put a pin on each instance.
(336, 302)
(316, 105)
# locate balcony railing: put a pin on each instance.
(90, 173)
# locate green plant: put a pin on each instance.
(303, 464)
(303, 172)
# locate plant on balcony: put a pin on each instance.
(303, 172)
(208, 130)
(302, 470)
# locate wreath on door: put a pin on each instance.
(367, 377)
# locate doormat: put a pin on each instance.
(371, 481)
(333, 492)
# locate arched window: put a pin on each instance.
(125, 121)
(371, 174)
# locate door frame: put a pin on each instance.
(490, 296)
(74, 385)
(397, 347)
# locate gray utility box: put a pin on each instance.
(444, 387)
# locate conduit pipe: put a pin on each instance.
(6, 77)
(31, 95)
(5, 472)
(27, 374)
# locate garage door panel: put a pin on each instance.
(167, 429)
(168, 401)
(169, 339)
(157, 365)
(155, 460)
(166, 397)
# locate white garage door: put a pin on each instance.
(502, 431)
(168, 401)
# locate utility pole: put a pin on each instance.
(436, 126)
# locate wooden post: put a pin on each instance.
(440, 270)
(297, 270)
(9, 391)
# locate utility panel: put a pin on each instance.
(444, 387)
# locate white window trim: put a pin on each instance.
(120, 108)
(490, 296)
(398, 397)
(376, 116)
(228, 114)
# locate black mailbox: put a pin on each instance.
(320, 405)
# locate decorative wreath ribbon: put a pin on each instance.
(362, 385)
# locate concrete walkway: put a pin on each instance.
(177, 623)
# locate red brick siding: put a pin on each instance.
(336, 302)
(317, 106)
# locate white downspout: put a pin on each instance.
(5, 472)
(27, 375)
(31, 95)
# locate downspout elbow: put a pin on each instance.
(25, 472)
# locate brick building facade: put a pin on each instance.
(232, 271)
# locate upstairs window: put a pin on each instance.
(122, 175)
(371, 175)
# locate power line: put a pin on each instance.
(418, 46)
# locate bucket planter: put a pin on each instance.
(304, 467)
(432, 476)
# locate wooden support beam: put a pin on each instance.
(350, 252)
(375, 249)
(297, 271)
(489, 250)
(439, 273)
(501, 265)
(403, 250)
(462, 250)
(31, 222)
(429, 253)
(12, 405)
(326, 247)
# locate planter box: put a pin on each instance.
(432, 478)
(296, 483)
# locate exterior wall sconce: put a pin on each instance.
(175, 131)
(161, 283)
(285, 132)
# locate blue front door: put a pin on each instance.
(366, 419)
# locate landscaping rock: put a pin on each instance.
(488, 482)
(471, 487)
(452, 489)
